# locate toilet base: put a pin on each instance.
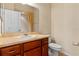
(55, 53)
(61, 53)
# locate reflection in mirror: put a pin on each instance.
(0, 23)
(18, 17)
(0, 26)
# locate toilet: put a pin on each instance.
(56, 48)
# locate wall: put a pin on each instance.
(0, 22)
(65, 26)
(44, 17)
(0, 26)
(17, 6)
(36, 20)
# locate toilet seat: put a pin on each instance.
(55, 46)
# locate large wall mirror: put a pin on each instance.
(17, 17)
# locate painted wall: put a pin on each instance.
(17, 6)
(44, 17)
(0, 26)
(0, 21)
(65, 26)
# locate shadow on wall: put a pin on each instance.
(52, 40)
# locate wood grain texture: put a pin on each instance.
(10, 51)
(31, 45)
(34, 52)
(32, 48)
(45, 50)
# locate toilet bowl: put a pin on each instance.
(55, 47)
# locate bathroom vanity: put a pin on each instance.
(18, 46)
(21, 18)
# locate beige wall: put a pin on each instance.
(0, 26)
(18, 7)
(65, 26)
(7, 5)
(0, 22)
(44, 17)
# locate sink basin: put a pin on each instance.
(27, 36)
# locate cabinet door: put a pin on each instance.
(33, 52)
(44, 41)
(32, 45)
(45, 50)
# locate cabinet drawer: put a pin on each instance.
(44, 41)
(10, 51)
(32, 44)
(34, 52)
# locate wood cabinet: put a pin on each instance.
(45, 47)
(33, 52)
(32, 48)
(11, 50)
(45, 50)
(32, 45)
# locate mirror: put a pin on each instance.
(18, 17)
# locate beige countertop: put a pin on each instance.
(12, 40)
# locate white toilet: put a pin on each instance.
(56, 48)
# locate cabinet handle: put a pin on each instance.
(12, 51)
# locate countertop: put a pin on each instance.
(8, 40)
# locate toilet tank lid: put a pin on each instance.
(54, 45)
